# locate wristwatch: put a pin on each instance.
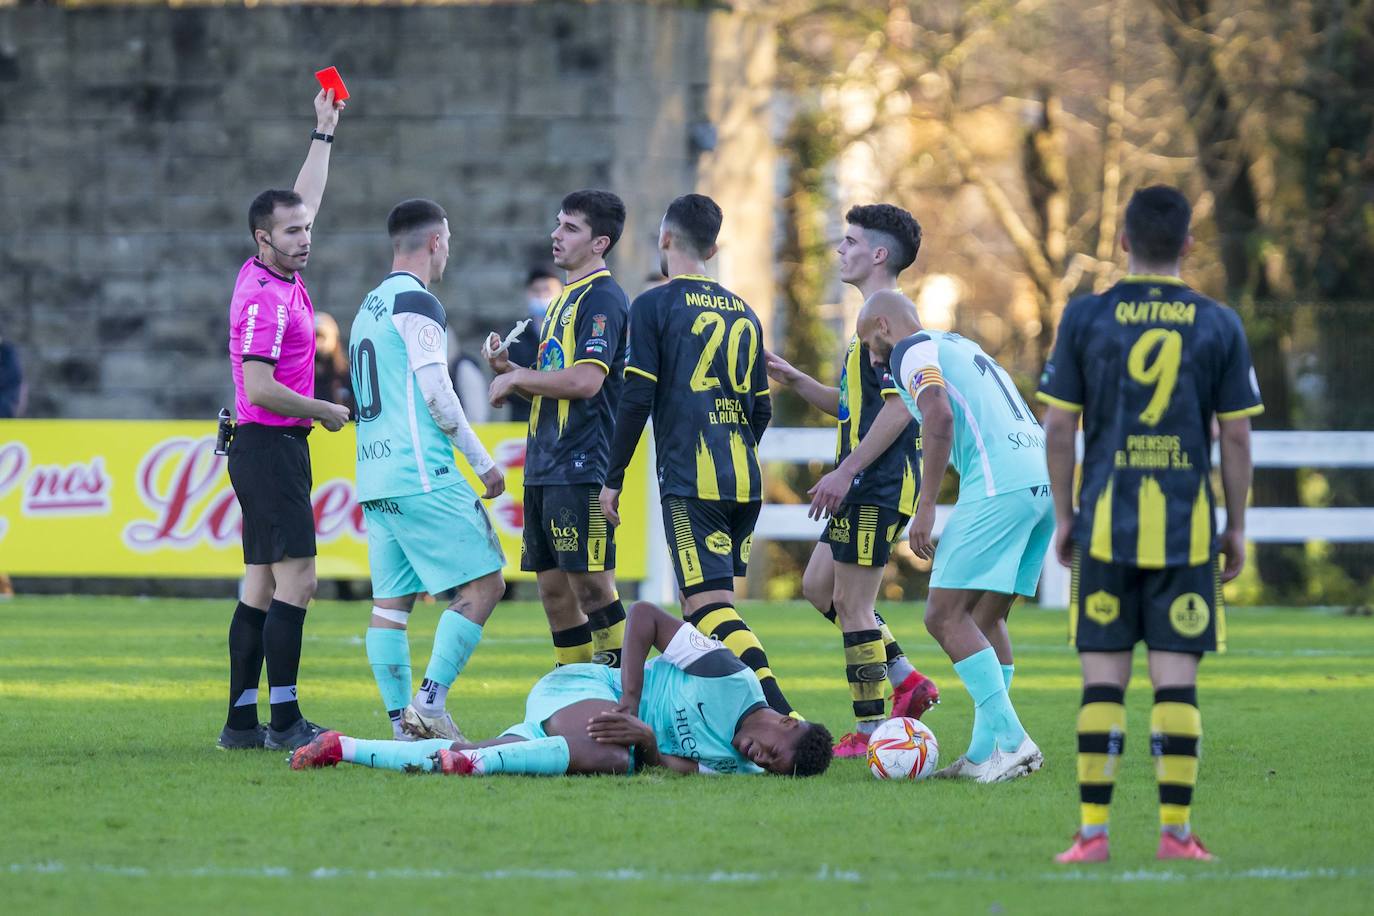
(317, 135)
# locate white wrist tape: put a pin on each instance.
(489, 351)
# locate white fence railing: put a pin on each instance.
(1269, 449)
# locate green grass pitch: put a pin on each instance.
(112, 798)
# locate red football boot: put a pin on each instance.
(453, 763)
(854, 744)
(1091, 849)
(914, 696)
(324, 751)
(1190, 847)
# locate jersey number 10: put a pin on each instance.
(712, 326)
(366, 391)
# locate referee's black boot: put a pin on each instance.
(242, 739)
(298, 734)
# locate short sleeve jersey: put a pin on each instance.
(570, 440)
(892, 481)
(271, 319)
(696, 709)
(700, 345)
(400, 449)
(998, 445)
(1149, 362)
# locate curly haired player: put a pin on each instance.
(694, 709)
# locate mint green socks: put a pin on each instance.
(1008, 671)
(541, 757)
(407, 756)
(995, 723)
(454, 641)
(388, 652)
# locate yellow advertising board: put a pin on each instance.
(135, 498)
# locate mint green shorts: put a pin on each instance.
(561, 688)
(429, 542)
(996, 544)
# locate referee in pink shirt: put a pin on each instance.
(272, 351)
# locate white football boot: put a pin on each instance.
(416, 725)
(1006, 765)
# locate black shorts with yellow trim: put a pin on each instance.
(1175, 609)
(566, 529)
(863, 535)
(710, 540)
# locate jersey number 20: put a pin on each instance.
(712, 326)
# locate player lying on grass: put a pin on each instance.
(694, 709)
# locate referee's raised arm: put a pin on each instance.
(315, 171)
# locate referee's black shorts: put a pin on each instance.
(269, 467)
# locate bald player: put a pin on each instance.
(995, 543)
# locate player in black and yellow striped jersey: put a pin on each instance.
(574, 388)
(1149, 364)
(696, 364)
(876, 480)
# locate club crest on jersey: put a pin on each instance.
(551, 357)
(598, 325)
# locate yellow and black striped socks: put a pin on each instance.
(608, 633)
(720, 621)
(865, 666)
(1101, 738)
(898, 668)
(572, 646)
(1175, 734)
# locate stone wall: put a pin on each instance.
(132, 140)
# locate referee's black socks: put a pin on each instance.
(721, 621)
(281, 637)
(245, 665)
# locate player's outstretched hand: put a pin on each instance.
(616, 727)
(327, 111)
(495, 482)
(333, 416)
(610, 505)
(829, 493)
(1063, 542)
(779, 369)
(922, 528)
(1233, 548)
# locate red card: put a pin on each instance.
(329, 79)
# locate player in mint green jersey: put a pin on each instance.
(426, 528)
(995, 543)
(696, 708)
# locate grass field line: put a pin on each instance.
(824, 874)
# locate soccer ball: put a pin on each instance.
(902, 748)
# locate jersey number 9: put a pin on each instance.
(712, 326)
(1161, 371)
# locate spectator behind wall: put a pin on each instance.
(12, 392)
(542, 286)
(331, 365)
(469, 380)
